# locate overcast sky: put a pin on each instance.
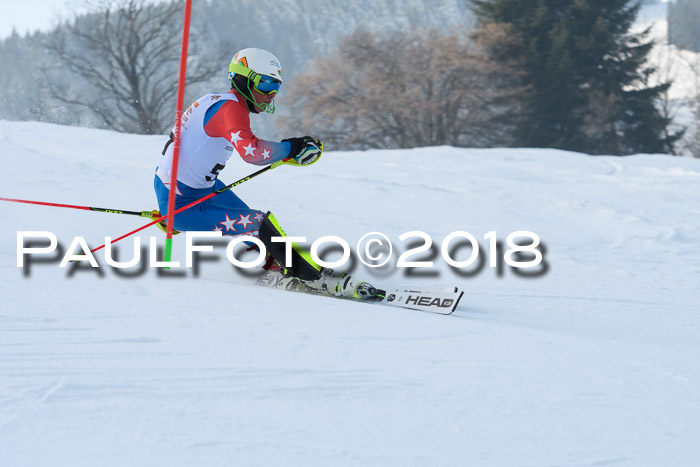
(30, 15)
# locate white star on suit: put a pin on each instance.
(244, 221)
(250, 150)
(266, 154)
(228, 223)
(236, 137)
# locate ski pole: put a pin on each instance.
(150, 214)
(200, 200)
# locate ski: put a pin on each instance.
(442, 301)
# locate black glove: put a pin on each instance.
(305, 150)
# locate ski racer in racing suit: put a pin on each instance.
(213, 128)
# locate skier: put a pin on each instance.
(212, 128)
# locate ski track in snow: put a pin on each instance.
(593, 363)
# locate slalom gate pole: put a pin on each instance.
(150, 214)
(200, 200)
(178, 125)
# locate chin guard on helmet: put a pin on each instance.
(243, 85)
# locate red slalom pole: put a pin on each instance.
(176, 132)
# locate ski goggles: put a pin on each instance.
(267, 85)
(262, 83)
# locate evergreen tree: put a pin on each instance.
(587, 75)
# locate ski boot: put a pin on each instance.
(343, 285)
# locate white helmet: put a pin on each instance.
(255, 68)
(260, 61)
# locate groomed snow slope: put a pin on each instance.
(593, 363)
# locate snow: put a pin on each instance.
(594, 362)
